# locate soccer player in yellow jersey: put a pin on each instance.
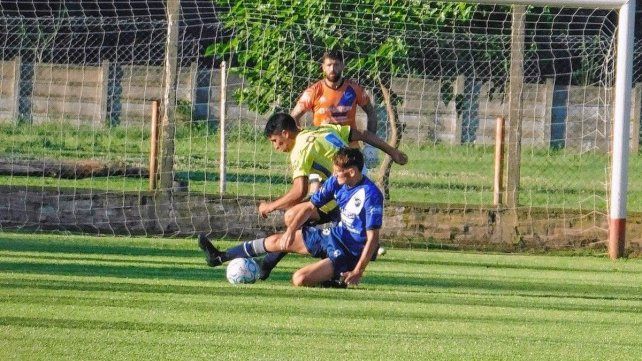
(311, 151)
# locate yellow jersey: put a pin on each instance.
(314, 148)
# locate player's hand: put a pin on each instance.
(264, 209)
(286, 240)
(352, 277)
(400, 157)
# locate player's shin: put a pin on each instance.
(247, 249)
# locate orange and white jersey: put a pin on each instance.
(334, 106)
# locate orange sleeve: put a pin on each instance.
(362, 97)
(307, 98)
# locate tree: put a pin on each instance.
(276, 46)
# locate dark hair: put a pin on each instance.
(332, 54)
(348, 157)
(279, 122)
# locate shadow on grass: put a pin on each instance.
(88, 258)
(208, 320)
(287, 306)
(173, 273)
(414, 288)
(62, 247)
(479, 285)
(430, 262)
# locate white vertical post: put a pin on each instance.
(221, 128)
(103, 118)
(15, 101)
(635, 118)
(622, 113)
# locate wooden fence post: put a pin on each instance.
(153, 149)
(549, 88)
(516, 85)
(168, 122)
(499, 162)
(458, 91)
(193, 83)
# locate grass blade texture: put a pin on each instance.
(104, 298)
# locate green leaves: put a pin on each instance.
(277, 44)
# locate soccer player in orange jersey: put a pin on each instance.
(334, 99)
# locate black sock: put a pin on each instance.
(269, 262)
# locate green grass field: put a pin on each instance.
(436, 173)
(80, 297)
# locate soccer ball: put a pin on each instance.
(242, 270)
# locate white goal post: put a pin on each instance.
(622, 107)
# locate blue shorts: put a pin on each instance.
(326, 243)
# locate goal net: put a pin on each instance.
(78, 80)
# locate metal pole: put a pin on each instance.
(620, 156)
(223, 101)
(153, 153)
(499, 161)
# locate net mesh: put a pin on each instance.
(78, 80)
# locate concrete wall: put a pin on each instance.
(74, 93)
(9, 79)
(121, 94)
(184, 214)
(142, 84)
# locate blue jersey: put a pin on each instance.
(361, 209)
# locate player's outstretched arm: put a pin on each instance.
(371, 115)
(372, 240)
(397, 156)
(294, 196)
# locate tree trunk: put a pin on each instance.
(66, 169)
(394, 138)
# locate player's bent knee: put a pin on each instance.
(288, 216)
(300, 279)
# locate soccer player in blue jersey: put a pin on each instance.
(311, 151)
(345, 249)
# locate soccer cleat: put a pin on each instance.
(333, 283)
(212, 255)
